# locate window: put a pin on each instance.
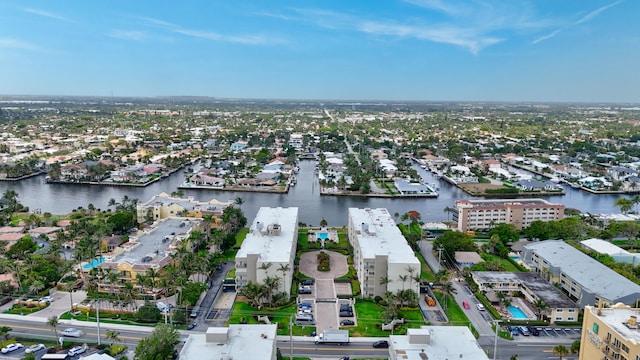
(559, 310)
(558, 318)
(571, 319)
(572, 310)
(624, 348)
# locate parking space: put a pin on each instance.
(543, 332)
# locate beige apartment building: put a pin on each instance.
(610, 333)
(485, 214)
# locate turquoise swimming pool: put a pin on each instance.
(322, 235)
(93, 263)
(517, 313)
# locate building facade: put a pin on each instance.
(436, 342)
(610, 333)
(383, 259)
(485, 214)
(585, 280)
(269, 249)
(164, 205)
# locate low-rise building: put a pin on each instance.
(617, 253)
(585, 280)
(533, 287)
(610, 333)
(146, 253)
(163, 205)
(383, 259)
(467, 258)
(484, 214)
(269, 248)
(436, 342)
(237, 342)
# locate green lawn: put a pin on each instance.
(244, 313)
(369, 322)
(504, 262)
(425, 270)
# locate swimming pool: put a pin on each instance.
(516, 312)
(322, 236)
(93, 263)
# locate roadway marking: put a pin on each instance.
(70, 338)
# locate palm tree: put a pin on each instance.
(514, 357)
(113, 336)
(238, 201)
(624, 204)
(384, 281)
(449, 211)
(447, 289)
(284, 268)
(560, 351)
(411, 270)
(540, 307)
(404, 279)
(265, 267)
(53, 322)
(575, 347)
(323, 222)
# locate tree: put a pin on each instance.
(159, 345)
(53, 323)
(238, 201)
(449, 211)
(540, 306)
(624, 204)
(447, 289)
(323, 222)
(283, 268)
(560, 351)
(112, 336)
(575, 347)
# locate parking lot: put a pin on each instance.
(548, 332)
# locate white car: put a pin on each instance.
(76, 350)
(46, 299)
(35, 348)
(11, 347)
(71, 332)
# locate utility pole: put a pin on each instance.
(98, 319)
(495, 340)
(439, 256)
(291, 337)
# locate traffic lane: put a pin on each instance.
(354, 349)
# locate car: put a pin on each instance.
(304, 305)
(346, 313)
(345, 307)
(192, 325)
(480, 307)
(219, 267)
(465, 304)
(11, 347)
(514, 330)
(347, 322)
(307, 282)
(46, 299)
(76, 350)
(381, 344)
(304, 290)
(534, 331)
(71, 332)
(35, 348)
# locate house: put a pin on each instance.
(467, 258)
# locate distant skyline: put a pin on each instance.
(411, 50)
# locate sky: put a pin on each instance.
(411, 50)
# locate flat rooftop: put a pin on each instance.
(243, 342)
(585, 270)
(378, 234)
(548, 293)
(616, 317)
(444, 342)
(603, 247)
(156, 243)
(271, 235)
(509, 202)
(163, 199)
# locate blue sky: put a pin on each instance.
(475, 50)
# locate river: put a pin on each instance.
(63, 198)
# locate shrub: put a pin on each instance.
(324, 261)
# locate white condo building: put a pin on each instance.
(236, 342)
(269, 248)
(380, 252)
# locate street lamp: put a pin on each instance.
(97, 304)
(291, 337)
(495, 341)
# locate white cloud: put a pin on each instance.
(17, 44)
(129, 35)
(447, 7)
(46, 14)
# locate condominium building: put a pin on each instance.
(383, 259)
(436, 342)
(585, 280)
(485, 214)
(269, 248)
(237, 342)
(610, 333)
(164, 205)
(147, 252)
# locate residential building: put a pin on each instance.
(436, 342)
(610, 333)
(269, 248)
(237, 342)
(485, 214)
(163, 205)
(533, 287)
(467, 258)
(617, 253)
(383, 259)
(148, 251)
(582, 277)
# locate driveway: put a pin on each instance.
(326, 310)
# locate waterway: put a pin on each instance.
(63, 198)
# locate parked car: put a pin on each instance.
(304, 290)
(46, 299)
(480, 307)
(465, 304)
(346, 307)
(76, 350)
(381, 344)
(514, 330)
(192, 325)
(347, 322)
(71, 332)
(304, 305)
(35, 348)
(346, 313)
(11, 347)
(307, 282)
(533, 331)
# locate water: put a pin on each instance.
(93, 263)
(517, 313)
(63, 198)
(322, 235)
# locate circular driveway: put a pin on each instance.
(309, 265)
